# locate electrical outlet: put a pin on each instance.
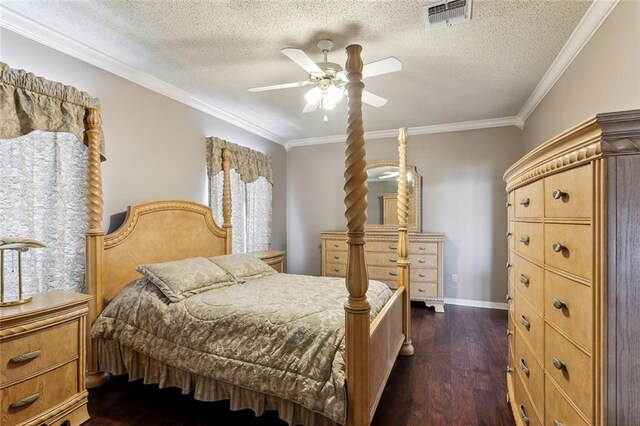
(454, 278)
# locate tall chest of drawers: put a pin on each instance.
(425, 255)
(42, 360)
(574, 276)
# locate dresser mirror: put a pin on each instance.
(382, 209)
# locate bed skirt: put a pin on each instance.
(119, 359)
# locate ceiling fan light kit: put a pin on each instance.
(330, 80)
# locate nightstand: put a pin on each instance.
(42, 360)
(274, 258)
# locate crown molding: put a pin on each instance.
(49, 37)
(588, 25)
(421, 130)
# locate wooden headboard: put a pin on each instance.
(159, 231)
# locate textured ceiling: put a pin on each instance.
(482, 69)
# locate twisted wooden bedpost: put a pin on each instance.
(357, 307)
(226, 197)
(403, 260)
(94, 238)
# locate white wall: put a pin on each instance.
(463, 196)
(604, 77)
(155, 145)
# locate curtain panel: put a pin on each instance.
(29, 103)
(251, 194)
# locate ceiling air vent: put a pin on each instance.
(447, 12)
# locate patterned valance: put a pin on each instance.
(249, 163)
(29, 102)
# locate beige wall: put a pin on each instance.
(463, 196)
(605, 76)
(155, 145)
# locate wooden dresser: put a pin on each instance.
(42, 357)
(425, 255)
(574, 276)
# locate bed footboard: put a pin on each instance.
(385, 341)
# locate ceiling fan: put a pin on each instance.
(330, 80)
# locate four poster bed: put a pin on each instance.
(172, 230)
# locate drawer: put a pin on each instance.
(51, 389)
(422, 248)
(528, 279)
(47, 342)
(424, 290)
(529, 240)
(573, 375)
(375, 258)
(423, 275)
(424, 260)
(530, 325)
(336, 257)
(337, 245)
(382, 273)
(557, 409)
(569, 194)
(531, 372)
(569, 306)
(575, 254)
(529, 200)
(524, 407)
(390, 247)
(335, 270)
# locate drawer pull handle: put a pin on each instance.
(422, 261)
(524, 201)
(336, 257)
(422, 248)
(557, 194)
(421, 275)
(508, 234)
(508, 265)
(392, 247)
(557, 423)
(523, 367)
(393, 260)
(559, 304)
(557, 363)
(507, 204)
(509, 332)
(523, 414)
(336, 245)
(508, 298)
(526, 324)
(336, 270)
(509, 369)
(25, 401)
(25, 357)
(422, 290)
(557, 247)
(524, 239)
(393, 274)
(524, 280)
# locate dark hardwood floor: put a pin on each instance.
(456, 377)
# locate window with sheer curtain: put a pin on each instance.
(43, 179)
(251, 194)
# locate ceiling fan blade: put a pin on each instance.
(373, 100)
(301, 58)
(383, 66)
(309, 108)
(278, 86)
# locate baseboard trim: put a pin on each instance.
(476, 303)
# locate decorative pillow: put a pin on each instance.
(183, 278)
(243, 267)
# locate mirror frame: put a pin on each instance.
(417, 207)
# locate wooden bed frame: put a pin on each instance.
(170, 230)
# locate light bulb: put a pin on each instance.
(313, 96)
(334, 94)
